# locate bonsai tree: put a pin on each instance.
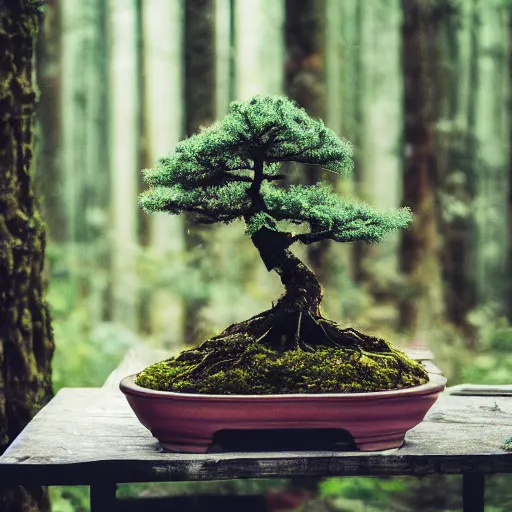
(230, 171)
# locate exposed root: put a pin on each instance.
(286, 352)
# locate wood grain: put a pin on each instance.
(91, 435)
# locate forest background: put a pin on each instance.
(420, 87)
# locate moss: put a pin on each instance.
(244, 366)
(507, 445)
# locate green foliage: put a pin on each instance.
(85, 353)
(330, 216)
(217, 173)
(372, 492)
(492, 364)
(69, 499)
(270, 128)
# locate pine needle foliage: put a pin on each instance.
(212, 173)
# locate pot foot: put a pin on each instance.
(378, 443)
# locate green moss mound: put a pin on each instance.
(239, 364)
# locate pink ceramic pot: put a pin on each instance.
(187, 422)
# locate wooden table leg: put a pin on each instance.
(473, 491)
(103, 497)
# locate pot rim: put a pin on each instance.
(436, 384)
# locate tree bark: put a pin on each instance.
(419, 252)
(26, 340)
(200, 110)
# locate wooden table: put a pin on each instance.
(91, 437)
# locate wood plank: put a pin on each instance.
(103, 497)
(473, 492)
(195, 503)
(480, 390)
(91, 435)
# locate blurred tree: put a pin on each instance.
(305, 83)
(259, 47)
(49, 184)
(420, 244)
(26, 340)
(473, 149)
(124, 131)
(162, 113)
(371, 103)
(200, 110)
(82, 117)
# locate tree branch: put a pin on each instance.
(309, 238)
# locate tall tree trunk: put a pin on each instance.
(124, 135)
(420, 243)
(380, 175)
(372, 119)
(491, 130)
(259, 47)
(200, 110)
(456, 161)
(49, 185)
(352, 108)
(84, 150)
(336, 84)
(305, 83)
(224, 54)
(26, 340)
(474, 145)
(163, 127)
(509, 209)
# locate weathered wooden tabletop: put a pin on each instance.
(90, 435)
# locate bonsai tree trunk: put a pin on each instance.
(26, 342)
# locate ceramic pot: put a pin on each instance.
(186, 422)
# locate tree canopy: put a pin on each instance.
(221, 172)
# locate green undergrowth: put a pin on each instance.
(246, 367)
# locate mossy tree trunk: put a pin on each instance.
(420, 243)
(200, 110)
(26, 342)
